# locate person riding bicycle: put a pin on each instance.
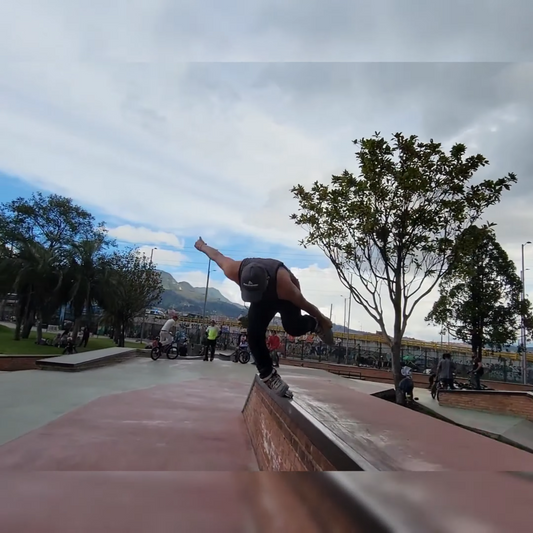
(165, 337)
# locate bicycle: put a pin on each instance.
(158, 349)
(241, 355)
(438, 385)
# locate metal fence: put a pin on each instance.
(502, 369)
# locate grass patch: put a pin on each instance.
(9, 346)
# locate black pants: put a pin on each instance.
(259, 316)
(448, 383)
(210, 348)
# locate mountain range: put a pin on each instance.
(182, 296)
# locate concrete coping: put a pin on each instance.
(335, 450)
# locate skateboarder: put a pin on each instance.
(270, 288)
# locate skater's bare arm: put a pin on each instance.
(229, 266)
(287, 290)
(294, 279)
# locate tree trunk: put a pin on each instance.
(3, 307)
(39, 327)
(116, 331)
(122, 336)
(76, 328)
(29, 318)
(19, 311)
(396, 367)
(396, 347)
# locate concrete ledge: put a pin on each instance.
(285, 437)
(511, 403)
(86, 360)
(13, 363)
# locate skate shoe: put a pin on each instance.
(325, 335)
(276, 384)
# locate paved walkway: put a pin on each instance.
(511, 428)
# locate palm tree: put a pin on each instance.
(86, 273)
(38, 280)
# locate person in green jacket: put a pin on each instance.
(212, 333)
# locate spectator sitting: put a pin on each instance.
(70, 348)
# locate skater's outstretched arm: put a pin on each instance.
(287, 290)
(229, 266)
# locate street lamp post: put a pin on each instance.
(349, 315)
(523, 321)
(207, 287)
(144, 314)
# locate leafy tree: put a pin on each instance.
(53, 221)
(480, 299)
(132, 284)
(39, 275)
(86, 276)
(395, 224)
(40, 234)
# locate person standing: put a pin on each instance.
(212, 333)
(445, 370)
(477, 372)
(270, 288)
(85, 337)
(273, 344)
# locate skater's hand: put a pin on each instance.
(199, 244)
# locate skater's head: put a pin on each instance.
(254, 281)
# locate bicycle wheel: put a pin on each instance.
(244, 357)
(155, 354)
(433, 392)
(171, 354)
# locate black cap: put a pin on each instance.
(254, 281)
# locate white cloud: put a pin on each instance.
(164, 258)
(141, 235)
(94, 105)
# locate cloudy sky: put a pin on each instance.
(173, 119)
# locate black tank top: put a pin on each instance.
(271, 266)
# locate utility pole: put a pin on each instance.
(345, 299)
(349, 314)
(144, 313)
(523, 321)
(330, 311)
(207, 287)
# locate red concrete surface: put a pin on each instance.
(115, 502)
(448, 502)
(393, 438)
(190, 426)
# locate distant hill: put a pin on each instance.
(183, 297)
